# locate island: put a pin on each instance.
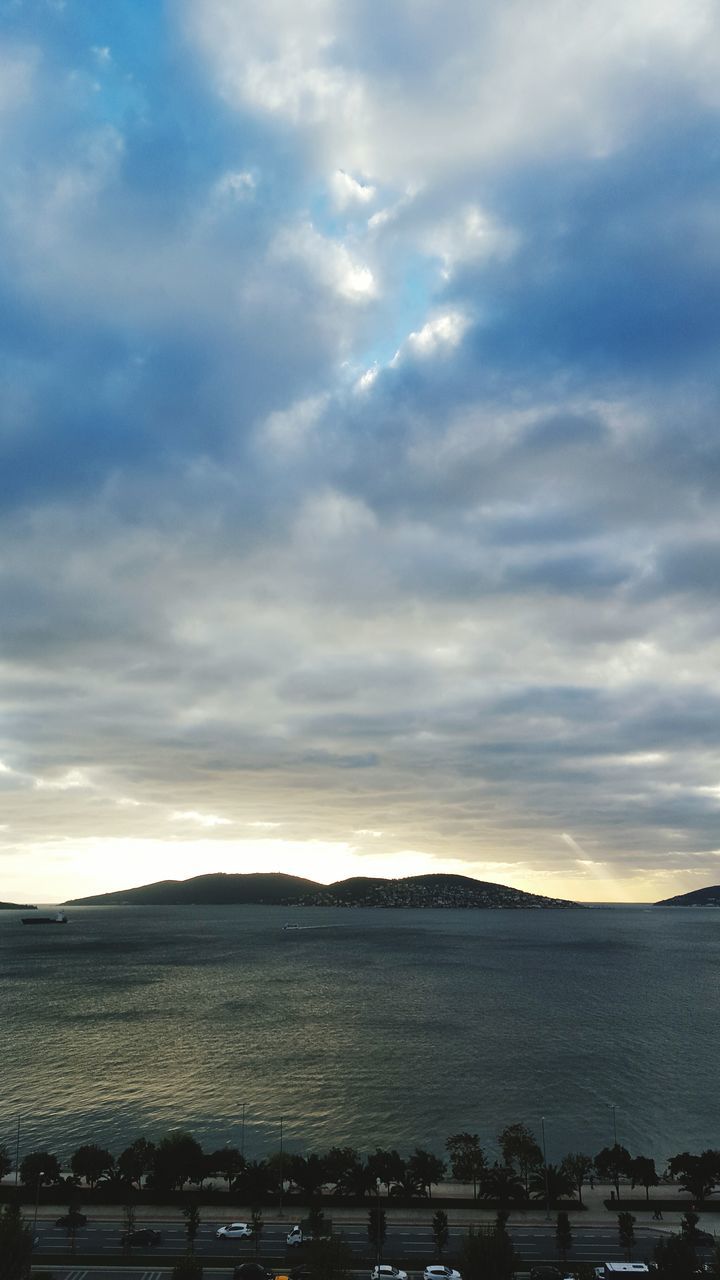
(277, 889)
(707, 897)
(16, 906)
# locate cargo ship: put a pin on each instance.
(59, 918)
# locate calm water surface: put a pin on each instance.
(372, 1027)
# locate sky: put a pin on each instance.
(360, 449)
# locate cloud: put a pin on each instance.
(359, 439)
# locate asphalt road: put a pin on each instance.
(410, 1244)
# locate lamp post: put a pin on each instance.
(613, 1108)
(547, 1190)
(41, 1175)
(377, 1227)
(281, 1166)
(242, 1132)
(17, 1153)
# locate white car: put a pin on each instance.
(296, 1236)
(234, 1231)
(384, 1272)
(441, 1273)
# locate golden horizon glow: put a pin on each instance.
(81, 868)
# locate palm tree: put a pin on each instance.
(559, 1184)
(501, 1183)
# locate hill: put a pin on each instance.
(707, 897)
(16, 906)
(274, 888)
(437, 890)
(210, 890)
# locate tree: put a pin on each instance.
(39, 1168)
(520, 1151)
(318, 1224)
(577, 1167)
(15, 1244)
(559, 1184)
(563, 1234)
(177, 1159)
(689, 1224)
(643, 1173)
(136, 1160)
(487, 1254)
(340, 1165)
(406, 1186)
(467, 1160)
(698, 1175)
(330, 1258)
(502, 1184)
(440, 1230)
(6, 1164)
(72, 1221)
(626, 1232)
(377, 1231)
(256, 1219)
(191, 1214)
(675, 1258)
(426, 1168)
(91, 1163)
(307, 1173)
(256, 1182)
(227, 1161)
(612, 1163)
(128, 1223)
(385, 1166)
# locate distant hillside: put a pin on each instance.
(427, 891)
(16, 906)
(274, 888)
(708, 897)
(212, 890)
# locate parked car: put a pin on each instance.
(386, 1272)
(441, 1273)
(145, 1237)
(71, 1221)
(252, 1271)
(234, 1231)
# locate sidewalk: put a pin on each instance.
(594, 1214)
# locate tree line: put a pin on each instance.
(178, 1161)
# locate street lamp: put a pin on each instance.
(377, 1227)
(282, 1176)
(41, 1175)
(613, 1108)
(547, 1190)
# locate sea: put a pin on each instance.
(361, 1027)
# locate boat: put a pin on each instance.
(292, 926)
(58, 918)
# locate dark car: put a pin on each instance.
(71, 1221)
(546, 1273)
(146, 1236)
(303, 1272)
(702, 1237)
(252, 1271)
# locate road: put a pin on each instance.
(409, 1243)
